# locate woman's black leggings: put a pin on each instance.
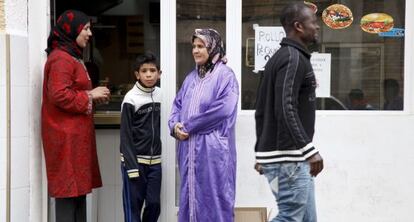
(72, 209)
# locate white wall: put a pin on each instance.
(25, 122)
(38, 30)
(16, 26)
(3, 127)
(109, 197)
(19, 129)
(367, 166)
(16, 17)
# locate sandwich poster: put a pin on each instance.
(337, 16)
(376, 23)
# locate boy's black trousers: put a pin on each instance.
(146, 187)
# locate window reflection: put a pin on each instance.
(366, 69)
(122, 30)
(192, 15)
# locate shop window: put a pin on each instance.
(192, 15)
(367, 67)
(122, 30)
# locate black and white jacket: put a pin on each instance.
(140, 128)
(285, 106)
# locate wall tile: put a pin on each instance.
(2, 60)
(106, 151)
(3, 205)
(119, 211)
(118, 175)
(3, 167)
(20, 162)
(110, 195)
(3, 122)
(20, 111)
(19, 60)
(106, 204)
(20, 205)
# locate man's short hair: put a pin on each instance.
(356, 94)
(392, 86)
(147, 57)
(391, 83)
(292, 13)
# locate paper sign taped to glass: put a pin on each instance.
(267, 42)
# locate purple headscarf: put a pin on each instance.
(215, 48)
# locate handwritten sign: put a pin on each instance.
(267, 42)
(321, 64)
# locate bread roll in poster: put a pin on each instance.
(311, 6)
(377, 22)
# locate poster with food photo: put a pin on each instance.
(376, 23)
(337, 16)
(311, 6)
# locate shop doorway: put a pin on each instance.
(122, 30)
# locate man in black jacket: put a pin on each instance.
(285, 119)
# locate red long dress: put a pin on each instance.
(67, 128)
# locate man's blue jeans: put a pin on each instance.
(293, 187)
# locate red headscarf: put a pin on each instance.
(63, 36)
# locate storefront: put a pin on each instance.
(364, 123)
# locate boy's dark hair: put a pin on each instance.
(147, 57)
(292, 13)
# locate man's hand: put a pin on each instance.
(316, 164)
(258, 168)
(179, 133)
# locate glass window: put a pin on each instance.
(367, 69)
(192, 15)
(122, 30)
(120, 35)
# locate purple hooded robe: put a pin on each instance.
(207, 107)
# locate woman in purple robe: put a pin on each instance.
(203, 120)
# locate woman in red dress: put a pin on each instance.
(67, 123)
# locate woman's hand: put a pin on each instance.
(179, 133)
(100, 95)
